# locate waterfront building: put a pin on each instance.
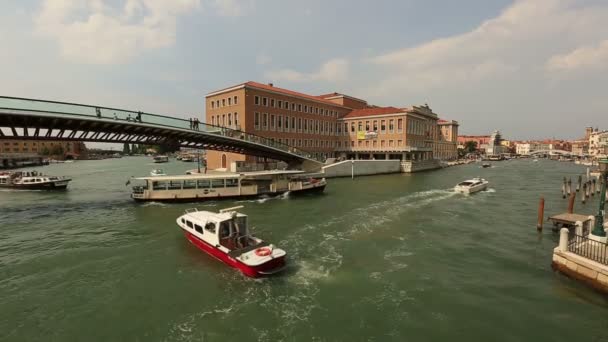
(598, 143)
(332, 125)
(481, 140)
(65, 149)
(494, 144)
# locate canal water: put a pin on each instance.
(382, 258)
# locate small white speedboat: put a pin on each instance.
(471, 186)
(157, 172)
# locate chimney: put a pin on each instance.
(270, 84)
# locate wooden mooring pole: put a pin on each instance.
(584, 193)
(571, 203)
(578, 185)
(569, 186)
(541, 214)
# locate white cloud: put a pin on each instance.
(582, 58)
(91, 31)
(232, 8)
(331, 71)
(519, 40)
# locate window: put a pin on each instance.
(271, 102)
(213, 120)
(360, 126)
(352, 127)
(359, 143)
(305, 126)
(391, 125)
(232, 182)
(375, 143)
(256, 100)
(390, 143)
(189, 224)
(236, 119)
(264, 101)
(217, 183)
(223, 102)
(212, 104)
(287, 124)
(280, 104)
(366, 143)
(189, 184)
(223, 119)
(293, 123)
(299, 142)
(293, 107)
(317, 110)
(299, 107)
(210, 227)
(382, 126)
(367, 126)
(236, 100)
(300, 124)
(203, 184)
(381, 143)
(399, 125)
(375, 126)
(280, 122)
(229, 119)
(317, 127)
(352, 143)
(399, 142)
(272, 123)
(305, 109)
(217, 104)
(338, 128)
(256, 120)
(326, 112)
(230, 101)
(198, 228)
(265, 120)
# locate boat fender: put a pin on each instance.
(263, 251)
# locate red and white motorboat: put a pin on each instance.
(225, 236)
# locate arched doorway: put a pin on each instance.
(223, 161)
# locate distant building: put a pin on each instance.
(65, 149)
(481, 140)
(494, 145)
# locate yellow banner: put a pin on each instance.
(360, 135)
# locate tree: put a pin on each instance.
(126, 149)
(135, 149)
(470, 146)
(45, 151)
(56, 150)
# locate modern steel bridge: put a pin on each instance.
(22, 118)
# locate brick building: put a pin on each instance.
(329, 125)
(68, 149)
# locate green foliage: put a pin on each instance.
(470, 146)
(126, 149)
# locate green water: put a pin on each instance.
(383, 258)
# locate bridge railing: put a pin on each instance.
(70, 109)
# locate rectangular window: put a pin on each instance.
(326, 112)
(265, 121)
(352, 127)
(189, 224)
(352, 143)
(229, 119)
(360, 126)
(305, 109)
(212, 104)
(280, 122)
(399, 125)
(272, 122)
(236, 100)
(230, 101)
(366, 143)
(381, 143)
(223, 119)
(299, 107)
(223, 102)
(256, 100)
(375, 126)
(264, 101)
(236, 120)
(271, 102)
(286, 106)
(256, 120)
(346, 128)
(338, 128)
(391, 125)
(299, 125)
(217, 183)
(293, 107)
(293, 123)
(399, 142)
(317, 110)
(317, 127)
(359, 143)
(382, 126)
(375, 143)
(367, 126)
(189, 184)
(390, 143)
(280, 104)
(213, 120)
(299, 142)
(286, 124)
(217, 104)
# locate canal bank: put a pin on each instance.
(393, 257)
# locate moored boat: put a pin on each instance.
(471, 186)
(32, 180)
(486, 165)
(226, 237)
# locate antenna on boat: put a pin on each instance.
(230, 209)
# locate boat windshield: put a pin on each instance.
(236, 226)
(467, 183)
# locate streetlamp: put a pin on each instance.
(598, 230)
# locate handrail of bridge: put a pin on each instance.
(67, 108)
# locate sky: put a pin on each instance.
(531, 68)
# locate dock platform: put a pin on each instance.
(568, 220)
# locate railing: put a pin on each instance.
(65, 108)
(587, 248)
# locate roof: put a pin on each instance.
(203, 216)
(190, 177)
(374, 111)
(275, 89)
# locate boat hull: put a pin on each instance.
(271, 267)
(62, 185)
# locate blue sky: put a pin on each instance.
(531, 68)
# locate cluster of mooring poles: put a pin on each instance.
(587, 189)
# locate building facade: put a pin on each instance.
(328, 126)
(598, 143)
(66, 149)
